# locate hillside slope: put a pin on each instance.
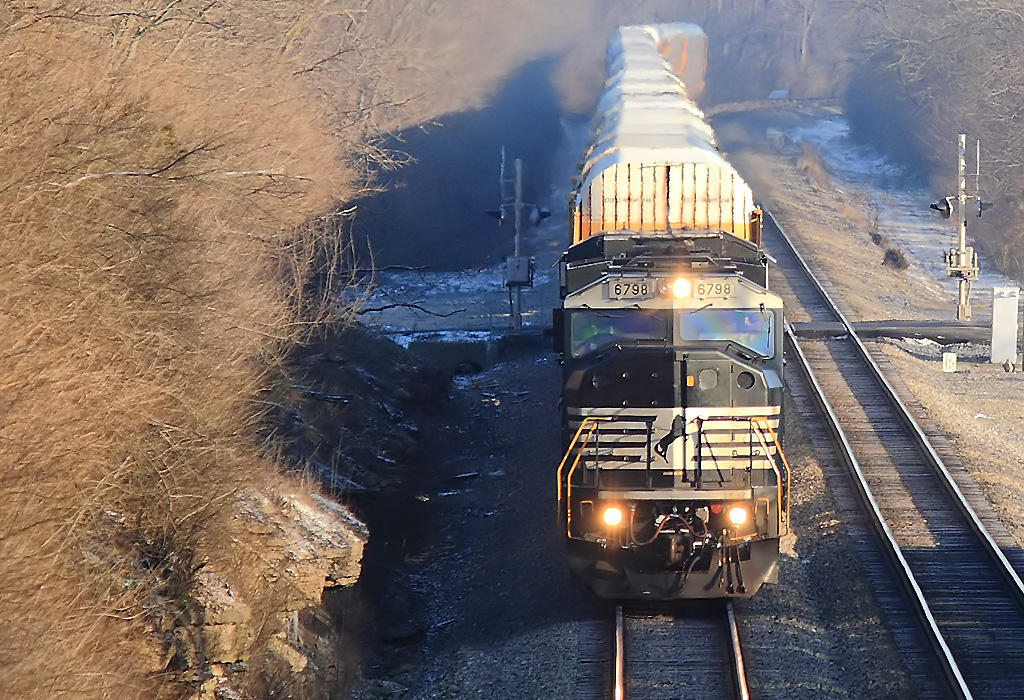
(161, 171)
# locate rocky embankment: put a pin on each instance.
(288, 621)
(304, 544)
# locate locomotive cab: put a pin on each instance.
(673, 483)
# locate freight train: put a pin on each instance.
(673, 483)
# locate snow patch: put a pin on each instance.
(404, 338)
(904, 217)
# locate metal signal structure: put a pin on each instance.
(519, 269)
(962, 261)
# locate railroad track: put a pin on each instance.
(691, 654)
(657, 653)
(967, 597)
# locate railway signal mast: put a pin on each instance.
(518, 268)
(962, 261)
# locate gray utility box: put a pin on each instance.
(519, 272)
(1004, 324)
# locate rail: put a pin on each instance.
(1007, 570)
(619, 665)
(738, 669)
(950, 668)
(659, 645)
(993, 549)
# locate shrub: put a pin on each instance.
(160, 254)
(811, 164)
(894, 257)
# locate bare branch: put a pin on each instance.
(417, 307)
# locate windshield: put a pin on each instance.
(592, 330)
(750, 328)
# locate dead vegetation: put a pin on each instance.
(162, 170)
(954, 68)
(895, 258)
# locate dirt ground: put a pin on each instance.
(981, 409)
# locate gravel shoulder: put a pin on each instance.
(495, 613)
(810, 635)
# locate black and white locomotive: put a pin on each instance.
(673, 483)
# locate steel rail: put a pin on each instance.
(646, 672)
(738, 671)
(619, 659)
(915, 439)
(992, 548)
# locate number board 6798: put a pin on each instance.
(626, 288)
(722, 289)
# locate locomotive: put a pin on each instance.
(673, 483)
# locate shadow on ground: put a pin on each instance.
(433, 213)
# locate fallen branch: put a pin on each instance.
(158, 174)
(389, 268)
(360, 312)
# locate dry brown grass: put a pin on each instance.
(158, 175)
(811, 164)
(949, 73)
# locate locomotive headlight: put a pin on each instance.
(737, 515)
(681, 288)
(612, 516)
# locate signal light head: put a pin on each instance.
(681, 288)
(737, 515)
(612, 516)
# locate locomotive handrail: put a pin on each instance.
(756, 430)
(594, 420)
(755, 423)
(700, 437)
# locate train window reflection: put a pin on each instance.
(592, 330)
(751, 328)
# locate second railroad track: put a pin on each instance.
(949, 560)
